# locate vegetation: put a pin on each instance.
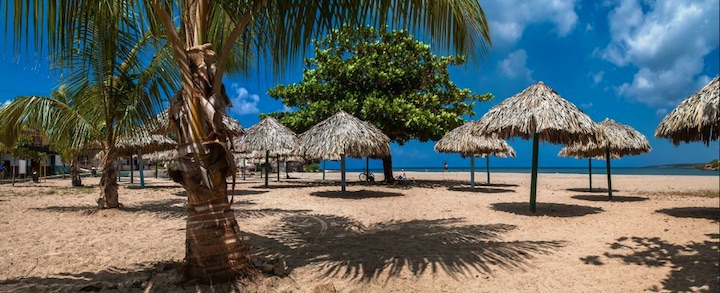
(313, 167)
(21, 148)
(384, 77)
(210, 39)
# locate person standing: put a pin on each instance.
(445, 166)
(2, 170)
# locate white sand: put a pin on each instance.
(430, 234)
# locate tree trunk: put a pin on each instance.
(108, 183)
(387, 169)
(214, 250)
(75, 174)
(63, 169)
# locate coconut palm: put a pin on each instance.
(204, 44)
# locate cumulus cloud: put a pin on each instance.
(508, 18)
(515, 65)
(243, 102)
(4, 104)
(667, 41)
(598, 77)
(586, 105)
(285, 108)
(661, 112)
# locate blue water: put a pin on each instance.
(566, 170)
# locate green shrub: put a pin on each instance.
(312, 167)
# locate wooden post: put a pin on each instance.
(132, 169)
(367, 168)
(243, 169)
(141, 167)
(342, 173)
(323, 170)
(533, 176)
(472, 172)
(607, 160)
(277, 158)
(265, 167)
(590, 172)
(487, 167)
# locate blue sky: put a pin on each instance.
(628, 60)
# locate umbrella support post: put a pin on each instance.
(265, 168)
(607, 160)
(533, 176)
(590, 172)
(243, 169)
(323, 170)
(487, 167)
(132, 169)
(472, 172)
(342, 173)
(156, 170)
(142, 169)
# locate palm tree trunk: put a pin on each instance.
(108, 183)
(215, 251)
(74, 174)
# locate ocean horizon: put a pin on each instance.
(660, 170)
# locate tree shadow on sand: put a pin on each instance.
(546, 209)
(479, 189)
(588, 190)
(694, 265)
(345, 248)
(615, 198)
(166, 208)
(246, 192)
(712, 214)
(356, 194)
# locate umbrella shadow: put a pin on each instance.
(342, 247)
(479, 189)
(615, 198)
(153, 186)
(588, 190)
(281, 186)
(498, 184)
(694, 266)
(546, 209)
(709, 213)
(356, 194)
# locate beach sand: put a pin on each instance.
(428, 234)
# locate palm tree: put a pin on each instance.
(206, 46)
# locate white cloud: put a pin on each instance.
(515, 65)
(243, 102)
(586, 105)
(598, 77)
(5, 104)
(285, 108)
(508, 18)
(667, 41)
(661, 112)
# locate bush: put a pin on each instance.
(312, 167)
(714, 164)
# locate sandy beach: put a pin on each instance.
(428, 234)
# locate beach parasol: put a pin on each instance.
(538, 112)
(267, 136)
(697, 118)
(619, 140)
(142, 142)
(462, 140)
(343, 135)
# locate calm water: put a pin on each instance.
(567, 170)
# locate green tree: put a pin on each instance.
(205, 47)
(384, 77)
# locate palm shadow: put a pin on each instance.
(545, 209)
(615, 198)
(260, 213)
(246, 192)
(342, 247)
(136, 278)
(165, 209)
(479, 189)
(709, 213)
(498, 184)
(588, 190)
(281, 186)
(356, 194)
(694, 265)
(152, 186)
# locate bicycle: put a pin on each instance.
(367, 176)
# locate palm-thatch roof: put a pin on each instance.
(343, 134)
(537, 109)
(697, 118)
(620, 140)
(161, 125)
(267, 135)
(161, 156)
(462, 140)
(147, 143)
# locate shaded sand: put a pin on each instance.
(429, 234)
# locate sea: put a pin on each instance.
(565, 170)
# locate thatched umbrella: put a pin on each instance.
(696, 119)
(620, 140)
(538, 112)
(461, 140)
(343, 135)
(139, 143)
(269, 136)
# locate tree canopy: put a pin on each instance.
(384, 77)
